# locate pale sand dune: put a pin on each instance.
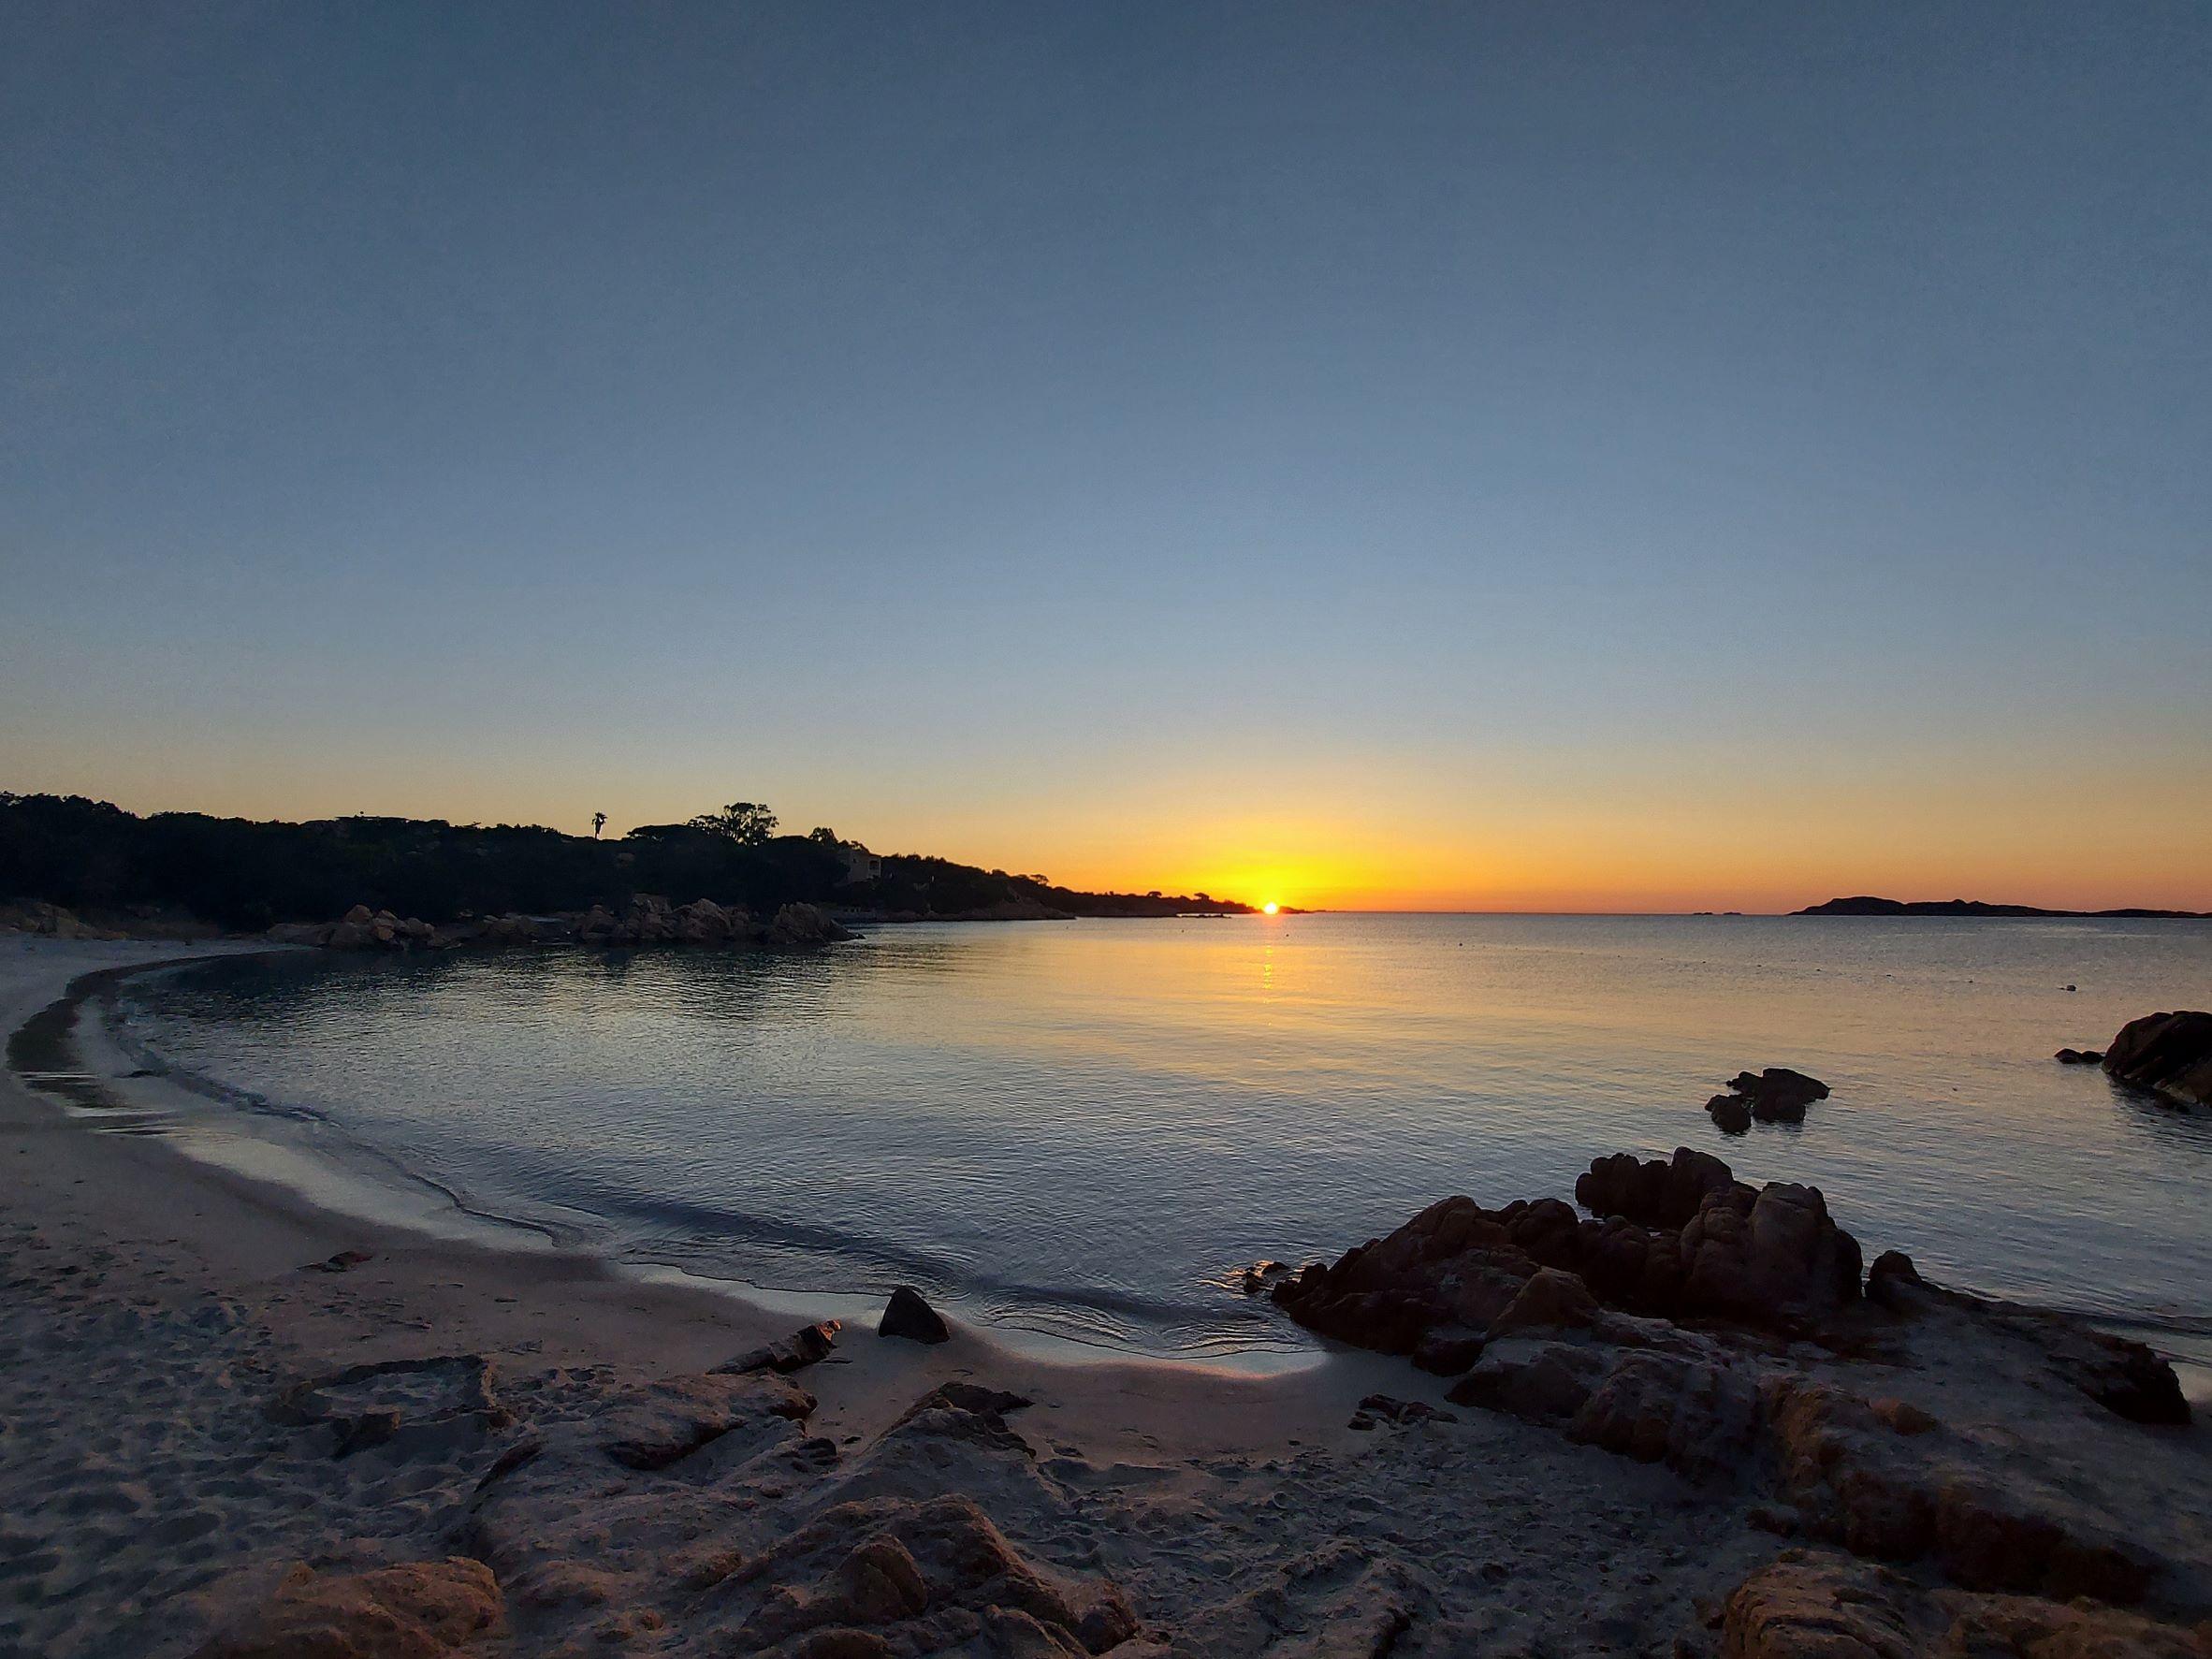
(160, 1471)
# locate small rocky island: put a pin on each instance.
(1974, 906)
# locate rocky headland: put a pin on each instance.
(647, 920)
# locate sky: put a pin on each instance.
(1526, 456)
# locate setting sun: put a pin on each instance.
(1270, 908)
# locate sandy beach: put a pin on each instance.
(451, 1444)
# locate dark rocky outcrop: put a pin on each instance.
(2168, 1053)
(2079, 1056)
(803, 925)
(909, 1316)
(1775, 1095)
(1718, 1328)
(1651, 1193)
(647, 920)
(1765, 1256)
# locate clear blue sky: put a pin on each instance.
(1517, 454)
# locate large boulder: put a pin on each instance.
(2170, 1053)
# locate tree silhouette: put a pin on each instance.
(747, 822)
(598, 824)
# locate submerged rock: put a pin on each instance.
(909, 1316)
(2079, 1056)
(2168, 1053)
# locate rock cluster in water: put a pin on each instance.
(1776, 1095)
(647, 920)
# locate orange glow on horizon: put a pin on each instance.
(1522, 830)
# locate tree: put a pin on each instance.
(824, 835)
(747, 822)
(598, 824)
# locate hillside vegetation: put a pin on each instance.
(94, 857)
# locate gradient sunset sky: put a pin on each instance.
(1495, 456)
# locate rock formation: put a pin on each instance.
(1676, 1239)
(909, 1316)
(1718, 1328)
(2168, 1053)
(648, 919)
(1776, 1095)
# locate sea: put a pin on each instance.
(1081, 1133)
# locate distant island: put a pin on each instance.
(119, 870)
(1974, 906)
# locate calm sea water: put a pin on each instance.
(1089, 1128)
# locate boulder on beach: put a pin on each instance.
(2168, 1053)
(909, 1316)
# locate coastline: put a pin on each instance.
(249, 1228)
(164, 1308)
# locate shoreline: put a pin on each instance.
(499, 1249)
(324, 1170)
(600, 1485)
